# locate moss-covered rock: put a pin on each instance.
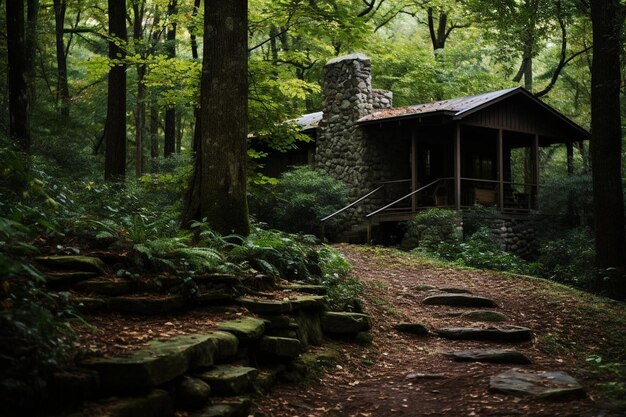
(282, 347)
(245, 329)
(73, 262)
(309, 328)
(147, 304)
(108, 287)
(228, 379)
(192, 393)
(265, 306)
(341, 323)
(160, 362)
(226, 407)
(157, 403)
(417, 329)
(485, 315)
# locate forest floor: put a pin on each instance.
(568, 326)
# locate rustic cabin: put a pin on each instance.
(453, 153)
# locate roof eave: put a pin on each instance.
(407, 117)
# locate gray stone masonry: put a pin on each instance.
(342, 149)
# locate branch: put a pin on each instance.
(79, 31)
(558, 70)
(369, 7)
(282, 32)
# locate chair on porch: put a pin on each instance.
(485, 196)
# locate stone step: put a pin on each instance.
(104, 286)
(73, 263)
(485, 315)
(86, 304)
(67, 279)
(343, 323)
(490, 355)
(515, 334)
(455, 290)
(148, 304)
(541, 384)
(266, 306)
(459, 300)
(162, 361)
(246, 329)
(412, 328)
(157, 403)
(230, 407)
(280, 347)
(229, 380)
(191, 393)
(306, 288)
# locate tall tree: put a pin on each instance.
(63, 90)
(217, 188)
(606, 145)
(169, 144)
(115, 127)
(19, 111)
(140, 109)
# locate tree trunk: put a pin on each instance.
(140, 110)
(193, 30)
(63, 89)
(154, 134)
(19, 110)
(606, 146)
(217, 188)
(30, 49)
(169, 145)
(115, 128)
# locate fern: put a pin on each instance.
(177, 252)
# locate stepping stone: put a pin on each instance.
(455, 290)
(459, 300)
(490, 355)
(216, 278)
(424, 377)
(283, 347)
(229, 380)
(77, 263)
(307, 289)
(485, 315)
(309, 302)
(160, 362)
(423, 287)
(542, 384)
(89, 304)
(214, 297)
(516, 334)
(110, 287)
(192, 393)
(226, 407)
(246, 329)
(66, 279)
(148, 304)
(265, 306)
(412, 328)
(157, 403)
(341, 323)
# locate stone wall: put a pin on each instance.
(518, 236)
(342, 149)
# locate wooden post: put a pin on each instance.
(570, 158)
(536, 170)
(457, 166)
(369, 231)
(500, 170)
(414, 168)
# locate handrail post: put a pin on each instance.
(323, 232)
(369, 231)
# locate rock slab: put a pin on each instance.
(245, 329)
(490, 355)
(76, 263)
(459, 300)
(160, 362)
(229, 380)
(541, 384)
(485, 315)
(341, 323)
(516, 334)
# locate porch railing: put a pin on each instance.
(383, 185)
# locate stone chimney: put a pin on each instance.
(341, 145)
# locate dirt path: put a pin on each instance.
(372, 381)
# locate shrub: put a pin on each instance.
(569, 259)
(343, 290)
(438, 231)
(299, 200)
(482, 250)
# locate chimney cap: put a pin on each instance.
(352, 57)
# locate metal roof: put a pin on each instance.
(457, 108)
(454, 106)
(309, 121)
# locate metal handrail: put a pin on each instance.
(352, 204)
(406, 196)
